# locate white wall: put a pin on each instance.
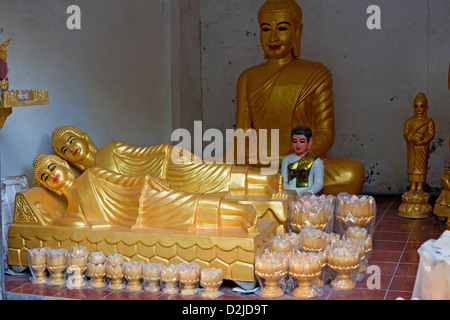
(376, 73)
(114, 78)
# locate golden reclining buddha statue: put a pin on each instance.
(286, 91)
(102, 198)
(139, 202)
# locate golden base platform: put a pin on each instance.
(415, 206)
(232, 250)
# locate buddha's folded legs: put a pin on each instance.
(343, 175)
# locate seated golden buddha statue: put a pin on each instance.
(285, 92)
(178, 167)
(102, 198)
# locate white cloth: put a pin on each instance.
(315, 179)
(433, 275)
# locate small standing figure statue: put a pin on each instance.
(418, 133)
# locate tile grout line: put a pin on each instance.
(401, 256)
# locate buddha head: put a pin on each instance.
(72, 144)
(52, 172)
(420, 105)
(281, 28)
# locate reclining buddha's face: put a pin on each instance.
(53, 173)
(71, 147)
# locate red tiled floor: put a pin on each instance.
(395, 244)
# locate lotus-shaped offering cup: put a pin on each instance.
(305, 268)
(96, 270)
(189, 278)
(361, 246)
(151, 276)
(355, 211)
(114, 271)
(56, 265)
(170, 277)
(133, 272)
(279, 244)
(294, 239)
(325, 274)
(211, 279)
(309, 214)
(79, 256)
(37, 262)
(312, 240)
(344, 260)
(271, 268)
(363, 235)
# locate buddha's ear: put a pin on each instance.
(69, 168)
(298, 40)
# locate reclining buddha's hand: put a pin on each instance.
(157, 184)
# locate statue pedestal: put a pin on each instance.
(233, 249)
(415, 206)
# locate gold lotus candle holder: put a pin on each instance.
(79, 256)
(189, 278)
(309, 214)
(37, 262)
(305, 268)
(170, 277)
(279, 244)
(312, 240)
(211, 279)
(56, 265)
(271, 267)
(364, 236)
(151, 276)
(344, 260)
(133, 272)
(355, 211)
(114, 271)
(294, 239)
(97, 270)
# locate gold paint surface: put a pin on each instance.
(287, 91)
(232, 251)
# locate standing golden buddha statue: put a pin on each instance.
(286, 91)
(418, 133)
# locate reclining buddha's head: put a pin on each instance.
(72, 144)
(53, 172)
